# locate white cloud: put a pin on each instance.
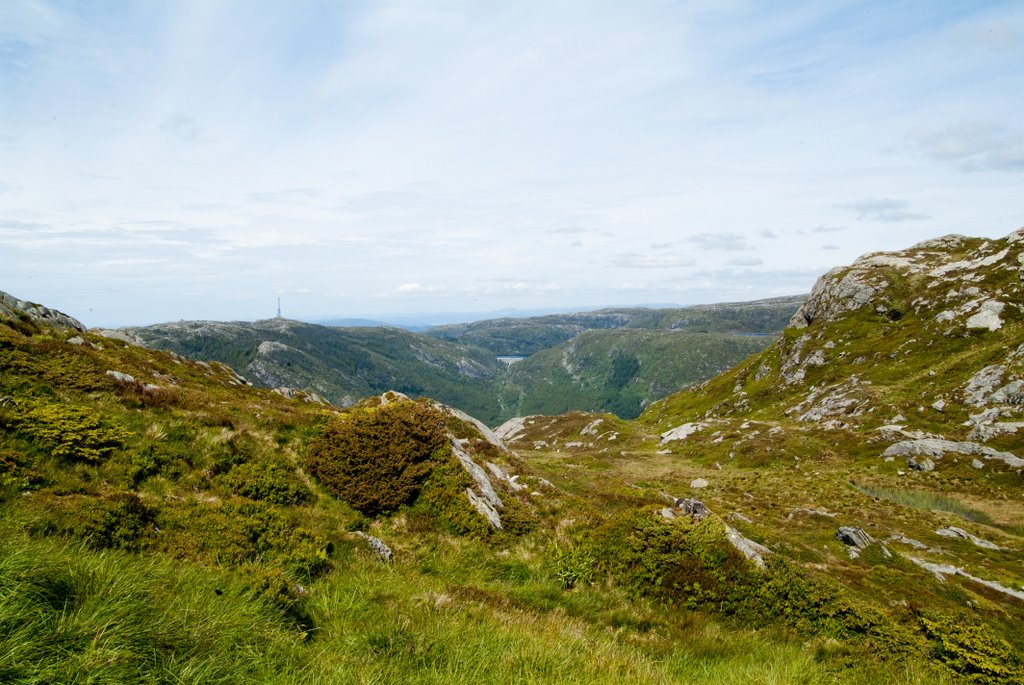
(973, 146)
(416, 289)
(658, 261)
(720, 241)
(887, 210)
(180, 126)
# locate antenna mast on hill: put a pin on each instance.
(279, 307)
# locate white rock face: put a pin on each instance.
(269, 347)
(970, 265)
(121, 377)
(482, 495)
(681, 432)
(698, 483)
(987, 316)
(931, 447)
(833, 295)
(942, 570)
(489, 435)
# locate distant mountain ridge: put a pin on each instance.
(458, 364)
(523, 337)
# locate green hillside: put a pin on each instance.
(619, 371)
(843, 507)
(340, 364)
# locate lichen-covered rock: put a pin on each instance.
(987, 316)
(121, 377)
(12, 308)
(693, 508)
(682, 432)
(922, 464)
(840, 290)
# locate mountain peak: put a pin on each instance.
(963, 268)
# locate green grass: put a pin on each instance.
(69, 614)
(928, 501)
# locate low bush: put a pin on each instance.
(692, 564)
(267, 482)
(970, 649)
(68, 433)
(376, 459)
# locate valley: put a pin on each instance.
(616, 360)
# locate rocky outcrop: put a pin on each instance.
(682, 432)
(481, 495)
(940, 571)
(854, 537)
(121, 377)
(488, 435)
(377, 545)
(935, 448)
(961, 534)
(840, 290)
(11, 308)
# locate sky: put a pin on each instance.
(199, 159)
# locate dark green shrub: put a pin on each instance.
(16, 474)
(517, 518)
(267, 482)
(120, 521)
(376, 459)
(678, 560)
(226, 454)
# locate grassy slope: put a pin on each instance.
(789, 462)
(146, 564)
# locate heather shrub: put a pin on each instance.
(377, 458)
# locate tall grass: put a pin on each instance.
(930, 501)
(73, 615)
(70, 615)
